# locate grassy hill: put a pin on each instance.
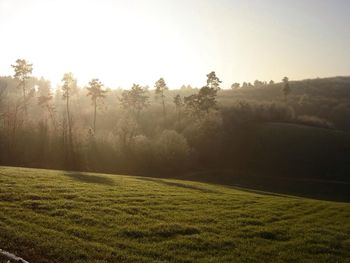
(307, 151)
(61, 216)
(287, 158)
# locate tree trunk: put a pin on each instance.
(164, 112)
(70, 140)
(24, 100)
(52, 117)
(95, 106)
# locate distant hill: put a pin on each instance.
(327, 98)
(335, 87)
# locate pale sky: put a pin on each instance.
(139, 41)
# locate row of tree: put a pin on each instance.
(134, 100)
(110, 130)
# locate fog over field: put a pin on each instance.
(174, 131)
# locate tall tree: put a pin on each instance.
(213, 81)
(205, 100)
(192, 104)
(96, 92)
(69, 84)
(45, 100)
(161, 88)
(286, 88)
(135, 100)
(178, 104)
(207, 94)
(23, 70)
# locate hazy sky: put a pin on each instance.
(122, 42)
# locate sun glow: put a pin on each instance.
(118, 43)
(122, 42)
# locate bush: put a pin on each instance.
(314, 121)
(243, 112)
(171, 150)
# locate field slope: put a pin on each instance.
(289, 159)
(59, 216)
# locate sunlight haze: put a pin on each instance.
(125, 42)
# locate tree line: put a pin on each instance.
(99, 129)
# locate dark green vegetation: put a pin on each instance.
(59, 216)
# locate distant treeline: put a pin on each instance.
(153, 131)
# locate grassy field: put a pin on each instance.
(58, 216)
(290, 159)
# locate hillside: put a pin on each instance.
(61, 216)
(307, 151)
(327, 98)
(288, 159)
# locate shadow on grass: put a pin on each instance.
(88, 178)
(192, 187)
(276, 185)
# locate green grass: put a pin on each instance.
(287, 159)
(302, 151)
(58, 216)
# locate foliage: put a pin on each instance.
(22, 69)
(235, 85)
(205, 100)
(171, 149)
(178, 102)
(69, 83)
(160, 90)
(218, 126)
(213, 82)
(286, 88)
(135, 100)
(96, 92)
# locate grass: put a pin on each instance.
(301, 151)
(58, 216)
(288, 159)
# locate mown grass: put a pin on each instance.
(58, 216)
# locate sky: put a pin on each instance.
(139, 41)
